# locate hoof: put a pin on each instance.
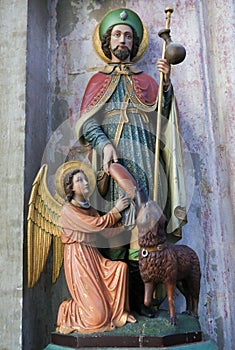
(147, 311)
(173, 321)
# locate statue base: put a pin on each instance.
(146, 333)
(205, 345)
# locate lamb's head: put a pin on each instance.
(151, 225)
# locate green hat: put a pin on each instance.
(121, 16)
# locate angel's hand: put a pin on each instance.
(122, 203)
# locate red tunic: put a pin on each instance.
(98, 286)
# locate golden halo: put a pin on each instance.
(98, 47)
(67, 168)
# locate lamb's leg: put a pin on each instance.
(184, 289)
(148, 293)
(195, 307)
(170, 289)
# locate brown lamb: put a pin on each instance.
(162, 262)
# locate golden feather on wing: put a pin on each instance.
(43, 227)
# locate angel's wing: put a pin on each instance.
(43, 227)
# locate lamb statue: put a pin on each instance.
(173, 265)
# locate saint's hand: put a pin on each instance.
(109, 155)
(122, 203)
(164, 67)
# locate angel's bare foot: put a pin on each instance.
(131, 319)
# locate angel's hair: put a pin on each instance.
(68, 183)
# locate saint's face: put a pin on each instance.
(121, 43)
(80, 186)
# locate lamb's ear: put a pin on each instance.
(164, 223)
(140, 198)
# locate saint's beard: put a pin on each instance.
(121, 54)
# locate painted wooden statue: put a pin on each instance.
(117, 124)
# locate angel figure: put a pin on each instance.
(98, 286)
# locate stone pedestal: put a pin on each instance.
(146, 333)
(204, 345)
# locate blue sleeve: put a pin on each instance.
(94, 135)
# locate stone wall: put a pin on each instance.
(36, 115)
(40, 302)
(203, 88)
(13, 34)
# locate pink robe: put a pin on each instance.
(98, 286)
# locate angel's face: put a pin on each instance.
(80, 186)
